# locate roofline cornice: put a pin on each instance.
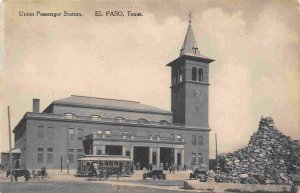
(191, 57)
(178, 127)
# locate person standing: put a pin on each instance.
(95, 165)
(184, 167)
(120, 170)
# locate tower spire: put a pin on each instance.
(189, 46)
(190, 17)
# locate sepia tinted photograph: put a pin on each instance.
(150, 96)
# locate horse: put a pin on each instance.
(19, 172)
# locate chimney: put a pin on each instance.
(36, 105)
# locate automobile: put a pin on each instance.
(199, 174)
(155, 174)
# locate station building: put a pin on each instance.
(71, 127)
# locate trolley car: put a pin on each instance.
(108, 165)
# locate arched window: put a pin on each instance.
(120, 120)
(194, 74)
(99, 133)
(179, 137)
(175, 76)
(143, 121)
(164, 122)
(70, 116)
(95, 118)
(200, 74)
(180, 77)
(125, 134)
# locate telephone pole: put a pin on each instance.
(216, 139)
(68, 151)
(10, 153)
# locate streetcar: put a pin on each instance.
(108, 165)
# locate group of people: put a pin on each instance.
(94, 169)
(163, 166)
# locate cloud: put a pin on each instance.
(255, 73)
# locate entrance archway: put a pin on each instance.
(140, 157)
(166, 156)
(178, 158)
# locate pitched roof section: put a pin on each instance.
(189, 46)
(108, 103)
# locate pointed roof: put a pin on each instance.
(189, 46)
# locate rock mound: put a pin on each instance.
(269, 158)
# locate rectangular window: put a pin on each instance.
(40, 132)
(71, 133)
(80, 134)
(40, 155)
(50, 133)
(193, 159)
(71, 155)
(200, 159)
(79, 153)
(200, 140)
(108, 133)
(71, 158)
(49, 155)
(193, 139)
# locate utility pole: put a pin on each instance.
(216, 139)
(68, 151)
(10, 153)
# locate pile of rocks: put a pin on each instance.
(269, 158)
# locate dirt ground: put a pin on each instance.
(62, 182)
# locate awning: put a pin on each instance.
(14, 150)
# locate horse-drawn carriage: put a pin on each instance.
(101, 167)
(39, 174)
(34, 175)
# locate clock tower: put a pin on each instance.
(190, 84)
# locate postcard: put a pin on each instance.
(150, 96)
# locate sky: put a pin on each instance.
(255, 45)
